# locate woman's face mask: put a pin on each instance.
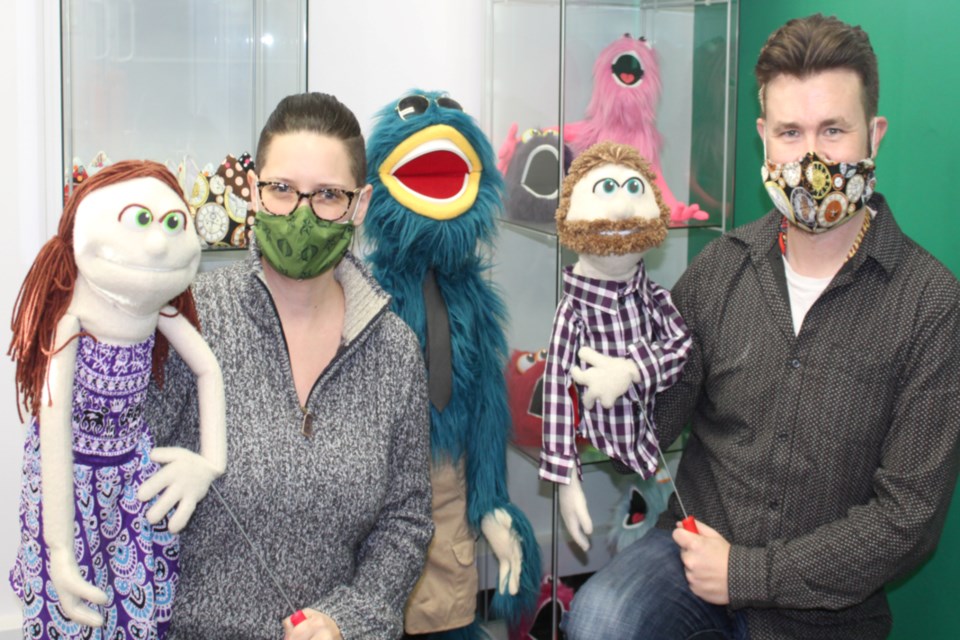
(301, 245)
(816, 194)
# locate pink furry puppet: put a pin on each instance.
(623, 109)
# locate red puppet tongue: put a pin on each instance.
(437, 174)
(627, 78)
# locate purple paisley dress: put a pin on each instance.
(133, 562)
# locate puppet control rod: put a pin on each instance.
(689, 522)
(298, 615)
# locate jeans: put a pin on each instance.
(642, 594)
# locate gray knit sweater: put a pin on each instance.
(342, 517)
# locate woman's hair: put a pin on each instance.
(318, 113)
(804, 46)
(48, 288)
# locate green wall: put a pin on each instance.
(917, 47)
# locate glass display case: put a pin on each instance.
(185, 83)
(545, 60)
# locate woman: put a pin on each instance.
(327, 418)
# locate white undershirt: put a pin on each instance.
(803, 291)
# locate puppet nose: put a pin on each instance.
(156, 242)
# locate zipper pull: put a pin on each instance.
(306, 428)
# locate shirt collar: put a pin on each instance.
(603, 294)
(883, 243)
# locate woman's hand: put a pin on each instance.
(317, 626)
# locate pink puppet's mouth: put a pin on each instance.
(627, 69)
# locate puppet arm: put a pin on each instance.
(679, 212)
(56, 473)
(489, 508)
(660, 361)
(507, 149)
(186, 476)
(573, 511)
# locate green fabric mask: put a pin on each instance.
(301, 245)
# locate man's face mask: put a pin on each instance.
(816, 194)
(301, 245)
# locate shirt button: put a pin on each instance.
(774, 504)
(781, 436)
(795, 363)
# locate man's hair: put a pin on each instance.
(805, 46)
(318, 113)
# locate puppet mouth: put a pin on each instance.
(627, 70)
(541, 173)
(621, 232)
(436, 170)
(435, 173)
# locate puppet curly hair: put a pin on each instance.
(47, 290)
(651, 233)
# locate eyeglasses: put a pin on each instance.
(328, 203)
(416, 104)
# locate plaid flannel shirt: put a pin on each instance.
(634, 319)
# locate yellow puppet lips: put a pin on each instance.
(435, 173)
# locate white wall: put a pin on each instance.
(369, 52)
(26, 174)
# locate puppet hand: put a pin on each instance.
(607, 378)
(316, 626)
(681, 213)
(183, 480)
(73, 589)
(497, 527)
(573, 510)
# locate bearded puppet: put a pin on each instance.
(617, 338)
(103, 302)
(436, 194)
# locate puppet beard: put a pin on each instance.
(612, 237)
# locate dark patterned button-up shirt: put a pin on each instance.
(634, 319)
(827, 458)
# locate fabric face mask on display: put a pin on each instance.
(816, 194)
(301, 245)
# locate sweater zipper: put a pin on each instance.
(306, 423)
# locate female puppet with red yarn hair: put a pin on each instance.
(101, 305)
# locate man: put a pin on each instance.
(823, 387)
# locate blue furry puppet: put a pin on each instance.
(436, 193)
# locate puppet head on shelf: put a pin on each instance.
(611, 212)
(533, 176)
(623, 104)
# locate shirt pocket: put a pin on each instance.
(861, 387)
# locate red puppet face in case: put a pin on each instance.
(524, 377)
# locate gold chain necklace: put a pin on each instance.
(853, 248)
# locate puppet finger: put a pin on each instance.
(156, 483)
(182, 515)
(167, 501)
(590, 356)
(516, 564)
(163, 455)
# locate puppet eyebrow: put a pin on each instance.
(140, 206)
(186, 218)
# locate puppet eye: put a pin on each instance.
(174, 221)
(412, 106)
(135, 216)
(634, 186)
(606, 187)
(542, 354)
(526, 361)
(449, 103)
